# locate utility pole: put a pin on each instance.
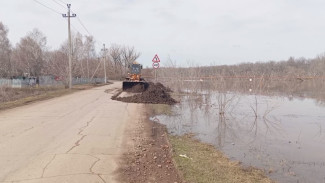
(70, 46)
(88, 66)
(104, 57)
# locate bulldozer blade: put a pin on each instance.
(138, 86)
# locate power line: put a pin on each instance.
(79, 20)
(83, 26)
(59, 4)
(74, 28)
(63, 2)
(47, 7)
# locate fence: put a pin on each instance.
(5, 82)
(47, 81)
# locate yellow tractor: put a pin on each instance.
(134, 78)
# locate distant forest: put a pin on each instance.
(292, 68)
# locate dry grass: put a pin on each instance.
(14, 97)
(207, 165)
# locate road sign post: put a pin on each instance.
(156, 59)
(155, 65)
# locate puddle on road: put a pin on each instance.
(285, 136)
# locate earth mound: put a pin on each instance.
(154, 94)
(137, 88)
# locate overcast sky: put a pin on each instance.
(200, 32)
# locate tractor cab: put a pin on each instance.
(135, 69)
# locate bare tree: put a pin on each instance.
(5, 52)
(129, 55)
(29, 54)
(77, 55)
(89, 52)
(115, 51)
(57, 65)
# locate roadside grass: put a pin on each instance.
(14, 97)
(202, 163)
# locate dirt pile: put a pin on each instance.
(154, 94)
(137, 88)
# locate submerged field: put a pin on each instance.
(279, 130)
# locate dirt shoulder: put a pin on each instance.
(148, 157)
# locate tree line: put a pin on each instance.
(31, 57)
(293, 68)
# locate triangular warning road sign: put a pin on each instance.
(156, 59)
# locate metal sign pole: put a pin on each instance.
(155, 65)
(156, 75)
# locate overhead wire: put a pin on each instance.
(55, 11)
(47, 7)
(59, 4)
(99, 43)
(79, 20)
(83, 25)
(73, 27)
(62, 2)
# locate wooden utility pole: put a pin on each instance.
(87, 62)
(104, 57)
(70, 46)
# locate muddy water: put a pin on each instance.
(285, 136)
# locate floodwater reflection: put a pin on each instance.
(282, 135)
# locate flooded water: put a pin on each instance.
(285, 136)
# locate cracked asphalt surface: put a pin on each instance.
(75, 138)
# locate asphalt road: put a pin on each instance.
(75, 138)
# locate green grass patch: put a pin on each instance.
(204, 164)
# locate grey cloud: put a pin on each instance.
(204, 31)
